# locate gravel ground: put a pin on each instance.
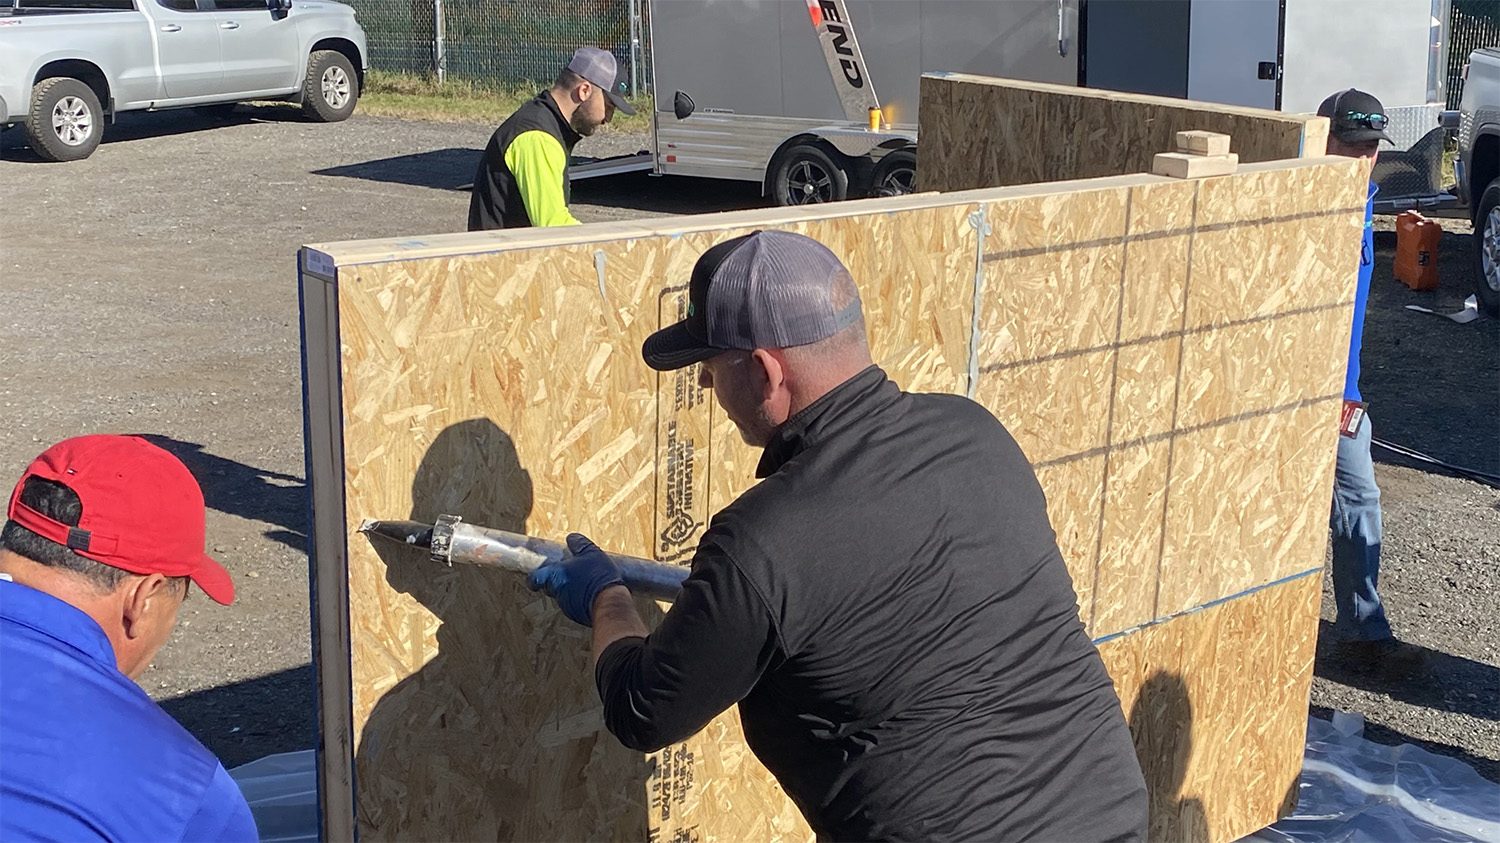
(1434, 386)
(151, 288)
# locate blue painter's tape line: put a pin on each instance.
(1209, 605)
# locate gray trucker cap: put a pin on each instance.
(767, 289)
(599, 67)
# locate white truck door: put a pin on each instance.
(260, 51)
(1232, 47)
(187, 44)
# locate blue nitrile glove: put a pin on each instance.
(576, 581)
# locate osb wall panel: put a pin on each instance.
(1164, 354)
(985, 132)
(506, 386)
(471, 705)
(1217, 705)
(474, 704)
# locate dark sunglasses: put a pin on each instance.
(1378, 122)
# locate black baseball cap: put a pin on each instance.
(767, 289)
(1355, 116)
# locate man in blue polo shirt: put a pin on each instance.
(102, 537)
(1357, 124)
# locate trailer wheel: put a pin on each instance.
(65, 122)
(807, 175)
(896, 174)
(1487, 249)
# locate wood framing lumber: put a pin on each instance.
(1179, 165)
(1203, 143)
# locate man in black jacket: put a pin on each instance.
(888, 606)
(522, 178)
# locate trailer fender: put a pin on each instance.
(857, 143)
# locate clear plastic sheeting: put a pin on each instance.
(1355, 791)
(283, 794)
(1352, 791)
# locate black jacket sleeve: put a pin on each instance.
(707, 654)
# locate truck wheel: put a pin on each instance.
(1487, 250)
(65, 122)
(896, 174)
(331, 88)
(807, 175)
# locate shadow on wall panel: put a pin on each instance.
(1161, 724)
(426, 728)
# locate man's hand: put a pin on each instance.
(577, 581)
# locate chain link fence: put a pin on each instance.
(513, 41)
(1473, 24)
(502, 41)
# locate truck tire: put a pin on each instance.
(65, 122)
(1487, 249)
(331, 87)
(896, 174)
(808, 174)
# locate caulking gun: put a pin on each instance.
(450, 540)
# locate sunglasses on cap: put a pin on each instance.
(1378, 122)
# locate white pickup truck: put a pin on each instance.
(1478, 168)
(69, 66)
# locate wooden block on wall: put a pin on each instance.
(1180, 165)
(1203, 143)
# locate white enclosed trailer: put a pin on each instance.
(778, 92)
(772, 105)
(1286, 55)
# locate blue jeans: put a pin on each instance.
(1355, 523)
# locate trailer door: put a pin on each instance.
(1233, 52)
(1223, 51)
(1034, 40)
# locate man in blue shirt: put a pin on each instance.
(1357, 124)
(103, 535)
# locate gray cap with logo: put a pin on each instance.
(767, 289)
(599, 67)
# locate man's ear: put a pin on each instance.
(769, 372)
(583, 92)
(142, 594)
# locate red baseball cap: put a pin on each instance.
(142, 509)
